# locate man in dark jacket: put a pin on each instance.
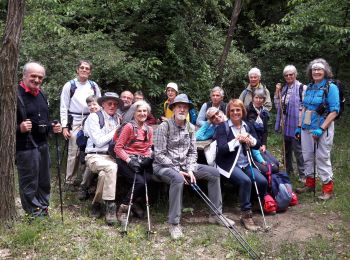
(32, 150)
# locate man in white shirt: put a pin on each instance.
(73, 109)
(100, 128)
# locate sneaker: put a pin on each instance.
(96, 210)
(111, 218)
(248, 222)
(325, 196)
(122, 214)
(213, 219)
(175, 231)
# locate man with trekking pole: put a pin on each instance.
(32, 149)
(316, 130)
(176, 164)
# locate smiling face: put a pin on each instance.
(236, 113)
(34, 76)
(141, 114)
(171, 93)
(254, 80)
(318, 74)
(83, 71)
(127, 97)
(217, 118)
(93, 107)
(289, 77)
(110, 106)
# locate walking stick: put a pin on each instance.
(315, 146)
(149, 231)
(224, 221)
(124, 231)
(249, 155)
(59, 170)
(282, 126)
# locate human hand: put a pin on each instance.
(244, 138)
(188, 175)
(66, 133)
(278, 87)
(26, 126)
(56, 127)
(134, 164)
(297, 133)
(317, 133)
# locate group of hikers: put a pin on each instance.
(165, 148)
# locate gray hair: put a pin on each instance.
(211, 111)
(254, 71)
(217, 89)
(27, 66)
(327, 69)
(140, 103)
(260, 93)
(291, 69)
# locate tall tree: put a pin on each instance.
(234, 17)
(9, 54)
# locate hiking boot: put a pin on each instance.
(175, 231)
(213, 219)
(83, 193)
(111, 218)
(122, 214)
(310, 185)
(248, 222)
(325, 196)
(95, 210)
(138, 210)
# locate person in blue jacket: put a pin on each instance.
(207, 130)
(316, 129)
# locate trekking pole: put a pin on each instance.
(124, 231)
(221, 217)
(256, 186)
(315, 146)
(59, 170)
(282, 126)
(149, 231)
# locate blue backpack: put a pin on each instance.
(281, 189)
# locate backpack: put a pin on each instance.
(222, 106)
(117, 133)
(281, 190)
(193, 115)
(81, 140)
(73, 87)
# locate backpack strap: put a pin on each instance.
(245, 92)
(101, 119)
(73, 87)
(209, 104)
(93, 86)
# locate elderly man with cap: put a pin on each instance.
(255, 83)
(100, 128)
(176, 163)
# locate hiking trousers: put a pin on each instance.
(323, 154)
(34, 178)
(73, 156)
(106, 168)
(176, 181)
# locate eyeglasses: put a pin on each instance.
(217, 114)
(289, 75)
(84, 68)
(111, 103)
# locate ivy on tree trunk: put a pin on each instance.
(9, 54)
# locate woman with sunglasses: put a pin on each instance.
(287, 101)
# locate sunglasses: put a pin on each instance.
(289, 75)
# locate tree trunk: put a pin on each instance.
(9, 53)
(234, 17)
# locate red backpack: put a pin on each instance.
(270, 205)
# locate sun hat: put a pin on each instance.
(173, 86)
(110, 95)
(182, 98)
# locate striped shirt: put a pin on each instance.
(175, 146)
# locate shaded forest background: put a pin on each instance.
(143, 44)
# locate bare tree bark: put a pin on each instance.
(9, 54)
(234, 17)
